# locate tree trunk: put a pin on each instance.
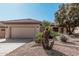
(62, 30)
(48, 45)
(69, 29)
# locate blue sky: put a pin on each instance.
(43, 11)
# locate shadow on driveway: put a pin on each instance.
(54, 53)
(17, 41)
(75, 35)
(72, 43)
(51, 52)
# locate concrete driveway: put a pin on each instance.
(7, 46)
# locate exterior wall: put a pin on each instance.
(8, 29)
(2, 32)
(7, 33)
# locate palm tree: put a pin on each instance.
(44, 25)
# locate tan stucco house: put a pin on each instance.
(21, 28)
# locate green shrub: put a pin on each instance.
(63, 38)
(38, 37)
(54, 34)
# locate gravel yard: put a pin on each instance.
(71, 48)
(59, 49)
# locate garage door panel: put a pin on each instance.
(22, 32)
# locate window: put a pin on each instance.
(2, 29)
(55, 29)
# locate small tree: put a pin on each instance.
(39, 35)
(40, 38)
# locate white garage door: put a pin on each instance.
(22, 32)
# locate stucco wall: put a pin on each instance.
(2, 32)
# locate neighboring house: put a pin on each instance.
(55, 27)
(21, 28)
(58, 28)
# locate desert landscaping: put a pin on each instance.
(32, 37)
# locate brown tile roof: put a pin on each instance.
(22, 21)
